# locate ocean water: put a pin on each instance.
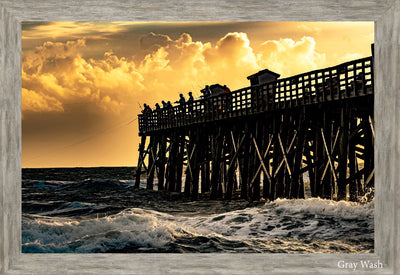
(99, 211)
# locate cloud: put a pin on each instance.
(232, 50)
(349, 57)
(36, 102)
(289, 57)
(94, 76)
(311, 28)
(56, 78)
(152, 41)
(73, 30)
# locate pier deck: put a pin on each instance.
(262, 139)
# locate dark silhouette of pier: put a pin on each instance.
(261, 140)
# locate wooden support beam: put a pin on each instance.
(360, 188)
(371, 175)
(284, 160)
(330, 161)
(151, 162)
(140, 161)
(296, 189)
(205, 168)
(352, 163)
(189, 156)
(262, 164)
(326, 183)
(356, 132)
(153, 158)
(234, 159)
(245, 161)
(267, 182)
(172, 164)
(358, 175)
(162, 160)
(255, 185)
(236, 150)
(312, 164)
(189, 149)
(215, 173)
(275, 140)
(179, 162)
(318, 157)
(238, 183)
(372, 126)
(195, 158)
(307, 168)
(343, 152)
(275, 186)
(368, 156)
(232, 167)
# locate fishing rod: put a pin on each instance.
(197, 91)
(132, 121)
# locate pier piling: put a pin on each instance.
(307, 135)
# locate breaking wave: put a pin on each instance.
(288, 226)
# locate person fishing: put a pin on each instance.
(167, 112)
(146, 109)
(181, 102)
(158, 113)
(226, 90)
(146, 112)
(190, 102)
(191, 99)
(228, 98)
(206, 95)
(206, 92)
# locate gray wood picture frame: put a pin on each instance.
(385, 14)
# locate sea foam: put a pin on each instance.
(132, 227)
(305, 221)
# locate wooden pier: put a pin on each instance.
(263, 141)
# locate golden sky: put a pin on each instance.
(83, 82)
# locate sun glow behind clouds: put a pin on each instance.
(91, 76)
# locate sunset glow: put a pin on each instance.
(83, 84)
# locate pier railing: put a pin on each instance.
(347, 80)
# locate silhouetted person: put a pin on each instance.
(159, 114)
(146, 112)
(226, 90)
(190, 102)
(181, 100)
(228, 98)
(206, 91)
(191, 99)
(206, 94)
(146, 109)
(167, 113)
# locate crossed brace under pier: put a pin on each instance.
(308, 151)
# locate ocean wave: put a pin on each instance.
(289, 226)
(44, 183)
(130, 228)
(312, 218)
